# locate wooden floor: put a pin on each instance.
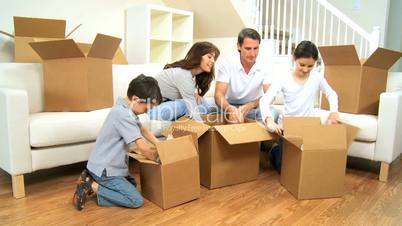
(263, 202)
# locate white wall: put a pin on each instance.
(96, 16)
(394, 31)
(366, 13)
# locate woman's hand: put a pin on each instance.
(333, 118)
(198, 98)
(272, 126)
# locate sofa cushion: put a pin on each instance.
(57, 128)
(366, 123)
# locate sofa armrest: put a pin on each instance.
(15, 151)
(389, 131)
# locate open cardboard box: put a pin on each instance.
(29, 30)
(74, 81)
(229, 153)
(176, 180)
(314, 157)
(357, 83)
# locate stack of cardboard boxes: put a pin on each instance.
(77, 76)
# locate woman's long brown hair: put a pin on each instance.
(193, 60)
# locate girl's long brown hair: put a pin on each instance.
(193, 60)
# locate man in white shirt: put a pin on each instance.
(241, 81)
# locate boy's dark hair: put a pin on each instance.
(145, 87)
(306, 49)
(248, 33)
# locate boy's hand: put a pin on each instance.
(149, 153)
(272, 127)
(333, 118)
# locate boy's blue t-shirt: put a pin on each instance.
(120, 128)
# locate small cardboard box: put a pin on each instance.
(176, 180)
(74, 81)
(314, 157)
(29, 30)
(229, 153)
(357, 84)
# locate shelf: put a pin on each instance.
(160, 52)
(157, 34)
(179, 50)
(182, 27)
(161, 23)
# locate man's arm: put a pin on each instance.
(220, 99)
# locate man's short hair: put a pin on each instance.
(248, 33)
(145, 87)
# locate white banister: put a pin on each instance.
(278, 28)
(317, 23)
(290, 38)
(272, 19)
(297, 21)
(310, 28)
(324, 26)
(266, 19)
(330, 27)
(283, 50)
(304, 19)
(338, 36)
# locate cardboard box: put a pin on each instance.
(357, 84)
(314, 157)
(119, 57)
(176, 180)
(229, 153)
(73, 81)
(35, 30)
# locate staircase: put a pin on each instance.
(284, 23)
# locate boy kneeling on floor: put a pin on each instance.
(106, 174)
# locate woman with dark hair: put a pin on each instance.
(184, 83)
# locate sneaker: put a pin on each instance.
(86, 177)
(81, 192)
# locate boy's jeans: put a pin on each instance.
(117, 191)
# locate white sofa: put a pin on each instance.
(31, 139)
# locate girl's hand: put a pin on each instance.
(272, 127)
(333, 118)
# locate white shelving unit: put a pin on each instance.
(157, 34)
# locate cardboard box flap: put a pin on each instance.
(84, 47)
(295, 140)
(141, 158)
(293, 126)
(177, 149)
(324, 137)
(57, 49)
(382, 58)
(38, 27)
(339, 55)
(186, 124)
(104, 46)
(243, 133)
